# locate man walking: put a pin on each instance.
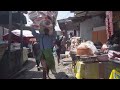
(45, 54)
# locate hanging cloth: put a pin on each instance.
(109, 24)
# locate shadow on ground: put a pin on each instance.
(30, 75)
(29, 64)
(27, 74)
(61, 75)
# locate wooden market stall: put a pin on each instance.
(12, 60)
(104, 65)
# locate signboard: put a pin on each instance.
(109, 24)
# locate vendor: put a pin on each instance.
(63, 43)
(114, 42)
(98, 45)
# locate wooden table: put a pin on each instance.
(87, 59)
(88, 67)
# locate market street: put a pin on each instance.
(30, 71)
(83, 44)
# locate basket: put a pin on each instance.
(2, 49)
(86, 51)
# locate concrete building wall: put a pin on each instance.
(87, 26)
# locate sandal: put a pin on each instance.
(38, 68)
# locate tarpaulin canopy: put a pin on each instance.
(16, 19)
(27, 35)
(4, 18)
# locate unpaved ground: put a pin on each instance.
(30, 71)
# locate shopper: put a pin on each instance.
(63, 43)
(36, 50)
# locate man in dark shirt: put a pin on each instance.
(36, 50)
(58, 48)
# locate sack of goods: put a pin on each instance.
(40, 20)
(86, 48)
(36, 14)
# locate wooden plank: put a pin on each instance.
(10, 25)
(102, 37)
(94, 36)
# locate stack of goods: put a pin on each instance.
(86, 51)
(109, 53)
(86, 48)
(83, 50)
(74, 45)
(41, 20)
(114, 55)
(104, 48)
(103, 54)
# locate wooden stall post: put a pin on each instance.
(21, 36)
(10, 29)
(3, 31)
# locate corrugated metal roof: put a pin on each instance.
(71, 23)
(90, 13)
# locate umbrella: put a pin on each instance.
(27, 35)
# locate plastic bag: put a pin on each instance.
(91, 46)
(77, 70)
(83, 46)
